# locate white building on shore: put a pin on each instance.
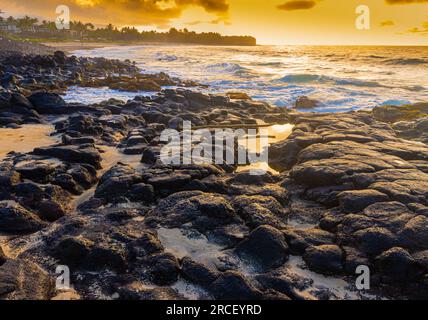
(8, 27)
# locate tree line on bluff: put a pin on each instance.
(31, 28)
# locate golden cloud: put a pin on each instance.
(422, 31)
(387, 23)
(137, 12)
(297, 5)
(406, 1)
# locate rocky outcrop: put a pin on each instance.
(74, 154)
(409, 121)
(265, 247)
(23, 280)
(15, 218)
(48, 103)
(139, 82)
(304, 102)
(352, 191)
(373, 194)
(401, 113)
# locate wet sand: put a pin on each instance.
(71, 46)
(77, 45)
(25, 139)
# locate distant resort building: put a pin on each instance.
(73, 33)
(8, 27)
(42, 29)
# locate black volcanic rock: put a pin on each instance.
(326, 259)
(2, 257)
(169, 182)
(205, 211)
(351, 192)
(265, 247)
(48, 103)
(164, 268)
(72, 251)
(4, 100)
(142, 192)
(15, 218)
(260, 210)
(373, 241)
(299, 240)
(233, 286)
(106, 256)
(36, 171)
(415, 233)
(304, 102)
(88, 155)
(197, 273)
(399, 113)
(24, 280)
(60, 57)
(358, 200)
(397, 265)
(49, 210)
(117, 182)
(19, 100)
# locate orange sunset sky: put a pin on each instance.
(393, 22)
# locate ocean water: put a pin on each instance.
(342, 78)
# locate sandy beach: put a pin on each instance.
(70, 46)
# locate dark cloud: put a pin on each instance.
(194, 23)
(216, 6)
(416, 30)
(215, 21)
(137, 12)
(387, 23)
(406, 1)
(297, 5)
(420, 30)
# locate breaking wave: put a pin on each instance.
(226, 67)
(166, 57)
(321, 79)
(407, 61)
(342, 78)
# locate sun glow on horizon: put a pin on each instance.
(88, 3)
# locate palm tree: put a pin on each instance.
(130, 33)
(49, 26)
(89, 26)
(27, 23)
(78, 27)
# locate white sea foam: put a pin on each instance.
(343, 78)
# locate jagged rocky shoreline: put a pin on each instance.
(352, 190)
